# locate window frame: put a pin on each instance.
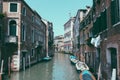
(10, 7)
(24, 10)
(32, 52)
(24, 31)
(9, 26)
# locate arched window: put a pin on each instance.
(12, 28)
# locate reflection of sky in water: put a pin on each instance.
(63, 70)
(59, 68)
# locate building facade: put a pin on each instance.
(50, 39)
(81, 13)
(25, 35)
(68, 35)
(105, 38)
(2, 45)
(87, 50)
(59, 43)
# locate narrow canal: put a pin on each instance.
(59, 68)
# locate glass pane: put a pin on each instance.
(23, 32)
(12, 28)
(13, 7)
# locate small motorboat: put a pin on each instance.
(73, 59)
(47, 58)
(81, 66)
(86, 75)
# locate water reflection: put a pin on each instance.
(59, 68)
(63, 70)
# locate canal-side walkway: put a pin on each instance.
(59, 68)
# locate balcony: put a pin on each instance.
(11, 39)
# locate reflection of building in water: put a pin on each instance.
(15, 76)
(59, 43)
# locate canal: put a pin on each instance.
(59, 68)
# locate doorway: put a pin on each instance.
(113, 52)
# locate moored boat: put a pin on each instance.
(47, 58)
(81, 66)
(86, 75)
(73, 59)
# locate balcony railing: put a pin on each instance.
(11, 39)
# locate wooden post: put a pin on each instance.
(9, 71)
(1, 72)
(24, 63)
(2, 66)
(0, 76)
(29, 61)
(99, 72)
(113, 74)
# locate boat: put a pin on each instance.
(86, 75)
(47, 58)
(81, 66)
(73, 59)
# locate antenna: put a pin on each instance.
(70, 15)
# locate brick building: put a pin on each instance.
(106, 24)
(78, 18)
(87, 52)
(99, 38)
(25, 35)
(50, 39)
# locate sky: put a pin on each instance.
(58, 11)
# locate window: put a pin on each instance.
(32, 53)
(24, 11)
(115, 11)
(32, 36)
(32, 18)
(23, 33)
(13, 7)
(37, 21)
(12, 28)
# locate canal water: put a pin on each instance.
(59, 68)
